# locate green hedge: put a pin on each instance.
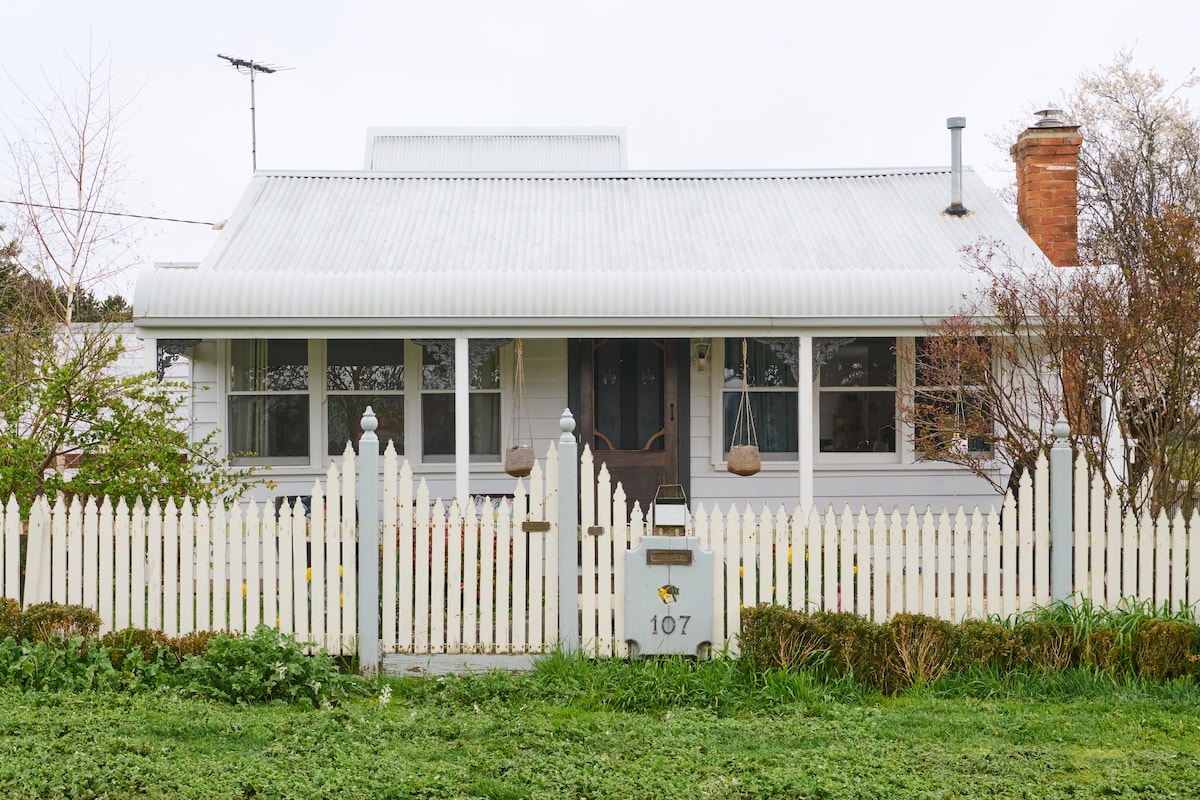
(913, 648)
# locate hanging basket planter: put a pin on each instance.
(744, 458)
(519, 457)
(518, 460)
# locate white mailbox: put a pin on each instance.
(668, 596)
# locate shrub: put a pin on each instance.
(1103, 649)
(982, 644)
(1043, 646)
(922, 649)
(10, 618)
(1162, 648)
(57, 622)
(834, 645)
(858, 648)
(266, 666)
(195, 643)
(120, 644)
(777, 637)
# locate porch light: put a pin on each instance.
(700, 350)
(670, 510)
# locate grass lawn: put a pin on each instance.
(616, 731)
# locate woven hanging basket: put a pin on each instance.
(518, 460)
(744, 459)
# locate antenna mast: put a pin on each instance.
(245, 65)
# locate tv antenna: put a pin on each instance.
(244, 66)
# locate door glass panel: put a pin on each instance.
(628, 377)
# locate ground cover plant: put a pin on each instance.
(57, 649)
(72, 724)
(574, 728)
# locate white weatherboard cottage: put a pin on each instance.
(405, 285)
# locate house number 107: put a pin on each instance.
(669, 623)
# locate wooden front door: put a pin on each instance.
(631, 409)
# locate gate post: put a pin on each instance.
(1061, 533)
(369, 658)
(568, 535)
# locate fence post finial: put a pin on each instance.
(568, 535)
(1061, 533)
(369, 657)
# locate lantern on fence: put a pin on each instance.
(670, 512)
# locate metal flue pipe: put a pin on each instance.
(956, 125)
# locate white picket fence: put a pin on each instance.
(180, 569)
(484, 578)
(486, 582)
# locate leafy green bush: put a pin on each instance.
(10, 618)
(53, 665)
(266, 666)
(59, 623)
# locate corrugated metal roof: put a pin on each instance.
(578, 251)
(494, 149)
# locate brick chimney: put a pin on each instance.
(1047, 159)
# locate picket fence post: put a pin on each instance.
(369, 658)
(1061, 502)
(568, 534)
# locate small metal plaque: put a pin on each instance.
(535, 526)
(669, 558)
(595, 530)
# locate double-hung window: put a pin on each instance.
(769, 377)
(949, 411)
(857, 395)
(361, 373)
(437, 400)
(268, 400)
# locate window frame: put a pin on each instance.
(983, 456)
(419, 413)
(903, 456)
(717, 362)
(230, 393)
(327, 393)
(318, 394)
(897, 455)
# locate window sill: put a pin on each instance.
(864, 465)
(294, 462)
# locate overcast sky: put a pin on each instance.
(698, 84)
